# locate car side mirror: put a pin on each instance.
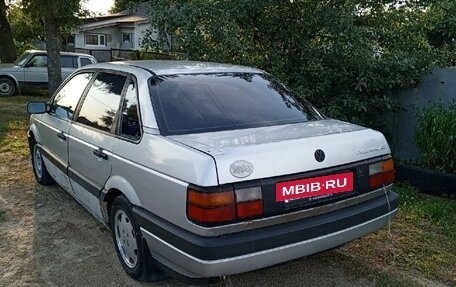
(36, 108)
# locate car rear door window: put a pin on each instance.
(65, 102)
(102, 102)
(130, 127)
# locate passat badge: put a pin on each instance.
(241, 168)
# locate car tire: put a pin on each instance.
(7, 87)
(131, 249)
(42, 176)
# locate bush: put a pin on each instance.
(21, 47)
(436, 137)
(342, 58)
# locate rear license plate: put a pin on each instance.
(315, 186)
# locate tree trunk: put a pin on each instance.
(7, 48)
(53, 51)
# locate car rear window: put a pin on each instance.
(197, 103)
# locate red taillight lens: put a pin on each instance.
(249, 209)
(211, 216)
(381, 173)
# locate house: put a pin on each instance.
(124, 30)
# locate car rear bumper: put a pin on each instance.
(199, 257)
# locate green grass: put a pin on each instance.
(13, 125)
(438, 212)
(421, 239)
(428, 233)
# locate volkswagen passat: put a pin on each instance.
(209, 169)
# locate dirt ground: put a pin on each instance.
(48, 239)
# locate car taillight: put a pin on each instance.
(223, 205)
(381, 173)
(212, 207)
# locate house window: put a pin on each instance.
(127, 38)
(95, 39)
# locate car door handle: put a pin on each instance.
(99, 153)
(61, 136)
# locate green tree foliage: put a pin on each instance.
(121, 5)
(440, 24)
(343, 56)
(24, 28)
(58, 16)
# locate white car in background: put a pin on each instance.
(30, 70)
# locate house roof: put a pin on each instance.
(122, 19)
(137, 15)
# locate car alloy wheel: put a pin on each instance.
(126, 239)
(38, 162)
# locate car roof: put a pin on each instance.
(62, 53)
(172, 67)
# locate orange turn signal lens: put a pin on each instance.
(388, 165)
(214, 199)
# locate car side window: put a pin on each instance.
(66, 100)
(102, 102)
(38, 61)
(68, 62)
(85, 62)
(130, 124)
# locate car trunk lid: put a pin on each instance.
(286, 149)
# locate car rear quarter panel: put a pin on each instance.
(155, 173)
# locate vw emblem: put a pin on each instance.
(319, 155)
(241, 168)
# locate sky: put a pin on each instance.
(99, 6)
